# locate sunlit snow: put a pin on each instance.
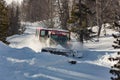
(19, 60)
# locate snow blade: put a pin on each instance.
(63, 52)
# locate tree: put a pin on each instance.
(115, 70)
(110, 11)
(4, 20)
(107, 11)
(79, 17)
(98, 16)
(63, 8)
(37, 10)
(14, 14)
(40, 10)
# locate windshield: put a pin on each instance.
(61, 39)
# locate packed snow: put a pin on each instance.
(22, 59)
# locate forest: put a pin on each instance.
(73, 15)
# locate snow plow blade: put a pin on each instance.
(63, 52)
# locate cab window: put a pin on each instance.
(42, 33)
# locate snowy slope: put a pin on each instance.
(19, 60)
(24, 64)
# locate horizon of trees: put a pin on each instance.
(73, 15)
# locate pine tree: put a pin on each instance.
(115, 70)
(79, 19)
(4, 20)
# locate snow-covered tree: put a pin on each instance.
(115, 70)
(4, 20)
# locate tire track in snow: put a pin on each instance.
(67, 73)
(73, 73)
(52, 76)
(48, 74)
(42, 75)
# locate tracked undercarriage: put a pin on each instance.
(64, 52)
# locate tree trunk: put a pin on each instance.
(98, 16)
(63, 12)
(80, 23)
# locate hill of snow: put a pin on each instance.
(22, 59)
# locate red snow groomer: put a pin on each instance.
(54, 37)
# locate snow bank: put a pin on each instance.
(7, 70)
(15, 63)
(3, 46)
(104, 60)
